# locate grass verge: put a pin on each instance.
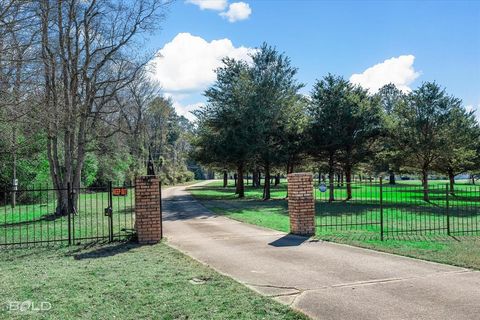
(125, 281)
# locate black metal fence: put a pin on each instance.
(93, 213)
(381, 209)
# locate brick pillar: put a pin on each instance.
(301, 204)
(147, 209)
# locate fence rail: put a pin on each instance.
(376, 207)
(93, 213)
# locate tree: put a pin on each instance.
(346, 121)
(134, 102)
(462, 134)
(294, 144)
(422, 121)
(328, 99)
(275, 93)
(225, 135)
(88, 55)
(362, 125)
(17, 37)
(389, 158)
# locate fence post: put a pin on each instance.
(381, 208)
(69, 212)
(110, 212)
(161, 212)
(447, 208)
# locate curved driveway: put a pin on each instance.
(322, 279)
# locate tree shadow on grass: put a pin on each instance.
(336, 209)
(103, 249)
(46, 217)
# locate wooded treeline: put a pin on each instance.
(77, 105)
(256, 121)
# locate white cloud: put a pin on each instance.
(396, 70)
(237, 11)
(187, 63)
(217, 5)
(185, 110)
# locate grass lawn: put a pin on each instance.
(125, 281)
(331, 219)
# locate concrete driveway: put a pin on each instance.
(323, 280)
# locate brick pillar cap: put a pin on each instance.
(300, 174)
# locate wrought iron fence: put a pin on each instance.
(375, 207)
(92, 213)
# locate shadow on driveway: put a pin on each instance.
(289, 240)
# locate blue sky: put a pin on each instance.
(421, 41)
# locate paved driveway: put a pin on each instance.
(323, 280)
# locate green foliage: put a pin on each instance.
(31, 166)
(461, 143)
(275, 96)
(90, 169)
(328, 101)
(253, 115)
(423, 121)
(389, 158)
(168, 139)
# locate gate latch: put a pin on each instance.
(108, 211)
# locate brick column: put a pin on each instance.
(301, 205)
(147, 209)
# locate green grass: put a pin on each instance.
(357, 222)
(125, 281)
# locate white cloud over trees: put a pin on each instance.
(397, 70)
(186, 65)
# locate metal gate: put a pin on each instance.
(94, 213)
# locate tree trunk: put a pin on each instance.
(425, 185)
(235, 183)
(331, 177)
(266, 186)
(277, 179)
(392, 177)
(451, 178)
(348, 178)
(225, 179)
(240, 184)
(290, 166)
(255, 179)
(341, 179)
